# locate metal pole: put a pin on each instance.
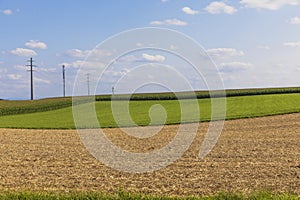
(88, 83)
(64, 81)
(31, 78)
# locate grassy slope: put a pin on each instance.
(237, 107)
(22, 107)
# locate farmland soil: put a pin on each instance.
(251, 155)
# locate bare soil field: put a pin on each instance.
(251, 155)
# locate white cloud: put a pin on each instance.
(112, 73)
(14, 76)
(65, 64)
(127, 58)
(76, 64)
(292, 44)
(47, 70)
(77, 53)
(224, 52)
(155, 58)
(35, 44)
(23, 52)
(171, 22)
(295, 20)
(269, 4)
(220, 7)
(234, 66)
(7, 12)
(97, 53)
(40, 80)
(139, 44)
(173, 47)
(189, 11)
(143, 58)
(21, 67)
(88, 65)
(265, 47)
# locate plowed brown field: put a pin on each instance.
(251, 155)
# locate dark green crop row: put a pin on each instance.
(199, 94)
(26, 106)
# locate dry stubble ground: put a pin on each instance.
(251, 155)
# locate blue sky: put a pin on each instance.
(254, 43)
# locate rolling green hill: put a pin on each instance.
(27, 106)
(237, 107)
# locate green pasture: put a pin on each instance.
(41, 105)
(237, 107)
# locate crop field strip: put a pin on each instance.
(237, 107)
(262, 195)
(258, 154)
(27, 106)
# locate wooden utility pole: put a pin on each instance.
(88, 83)
(31, 77)
(113, 90)
(64, 81)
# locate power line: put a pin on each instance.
(31, 76)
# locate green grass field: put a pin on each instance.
(27, 106)
(237, 107)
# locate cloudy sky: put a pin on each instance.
(254, 43)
